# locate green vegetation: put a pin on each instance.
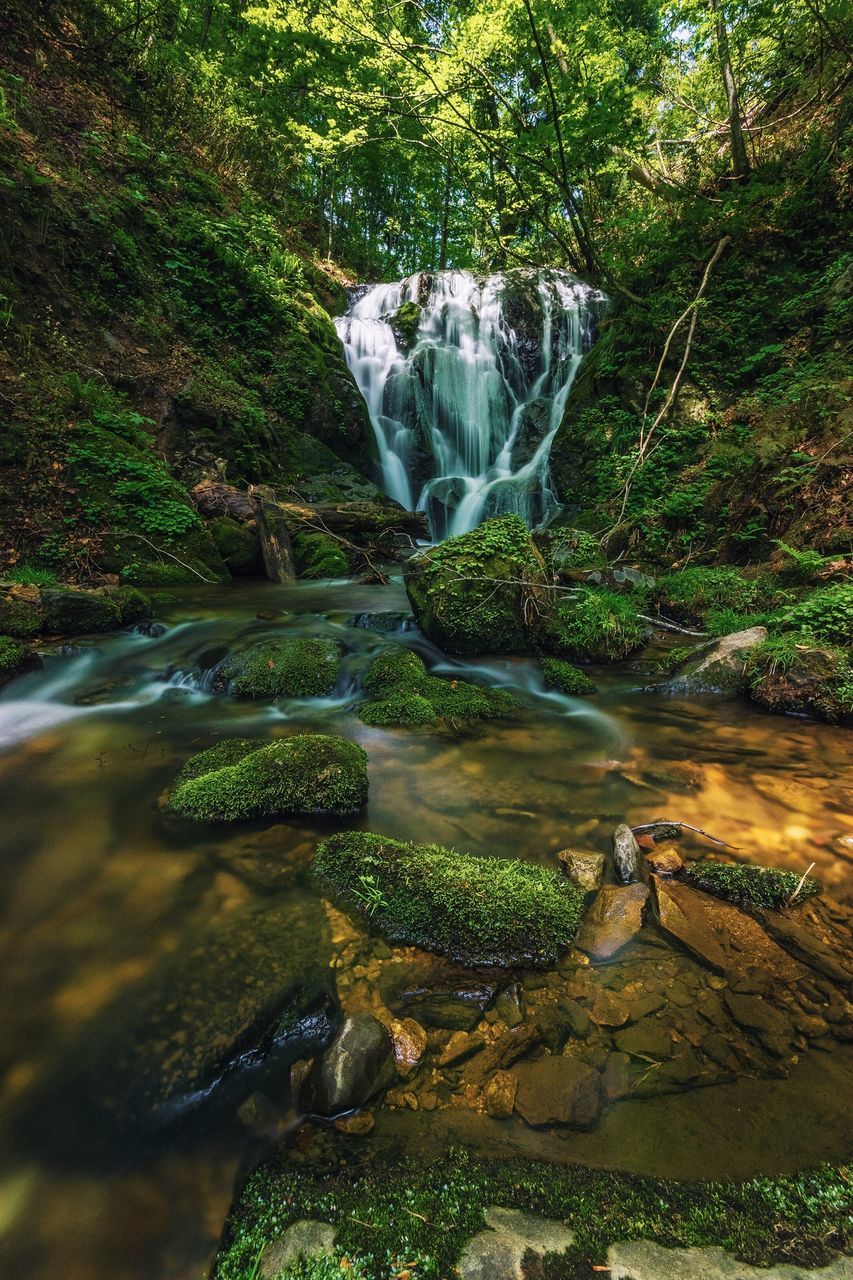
(826, 614)
(750, 886)
(133, 605)
(404, 694)
(70, 613)
(707, 595)
(243, 778)
(565, 678)
(31, 576)
(15, 658)
(793, 674)
(800, 1218)
(595, 626)
(319, 556)
(286, 668)
(20, 618)
(237, 544)
(477, 910)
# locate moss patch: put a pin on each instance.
(750, 886)
(319, 556)
(20, 618)
(242, 778)
(133, 605)
(595, 626)
(405, 694)
(420, 1214)
(564, 678)
(238, 544)
(477, 910)
(71, 613)
(15, 659)
(292, 668)
(791, 675)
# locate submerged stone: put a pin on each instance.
(437, 993)
(357, 1064)
(243, 778)
(484, 911)
(614, 918)
(558, 1091)
(294, 667)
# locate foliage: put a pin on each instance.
(14, 658)
(750, 886)
(477, 910)
(826, 614)
(284, 668)
(700, 594)
(30, 576)
(595, 626)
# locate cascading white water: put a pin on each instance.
(467, 385)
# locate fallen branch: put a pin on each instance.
(800, 885)
(162, 552)
(666, 625)
(664, 822)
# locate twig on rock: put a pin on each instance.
(664, 822)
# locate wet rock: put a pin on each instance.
(647, 1038)
(615, 1078)
(496, 1254)
(586, 870)
(665, 860)
(580, 1023)
(682, 912)
(356, 1126)
(558, 1091)
(71, 611)
(806, 688)
(643, 1260)
(16, 659)
(437, 993)
(499, 1094)
(509, 1005)
(718, 667)
(383, 623)
(772, 1027)
(614, 918)
(357, 1064)
(410, 1043)
(461, 1046)
(305, 1239)
(803, 943)
(558, 1021)
(608, 1009)
(718, 1049)
(503, 1052)
(628, 857)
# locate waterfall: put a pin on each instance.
(466, 380)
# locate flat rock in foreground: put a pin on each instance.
(642, 1260)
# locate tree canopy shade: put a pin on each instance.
(433, 133)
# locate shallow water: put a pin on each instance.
(98, 883)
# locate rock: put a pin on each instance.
(615, 1078)
(614, 918)
(806, 688)
(558, 1091)
(580, 1023)
(562, 677)
(356, 1126)
(682, 912)
(297, 667)
(302, 1241)
(643, 1260)
(628, 858)
(243, 778)
(410, 1043)
(70, 612)
(437, 993)
(461, 1046)
(608, 1009)
(21, 616)
(509, 1005)
(496, 1254)
(357, 1064)
(665, 860)
(586, 870)
(499, 1094)
(558, 1021)
(647, 1038)
(16, 659)
(238, 544)
(773, 1028)
(503, 1052)
(799, 941)
(718, 667)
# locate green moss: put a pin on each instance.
(15, 659)
(405, 323)
(238, 544)
(568, 549)
(749, 886)
(20, 618)
(290, 668)
(477, 910)
(565, 678)
(164, 573)
(791, 674)
(133, 605)
(595, 626)
(398, 708)
(691, 594)
(409, 695)
(386, 1212)
(319, 556)
(459, 700)
(471, 594)
(70, 613)
(304, 774)
(394, 669)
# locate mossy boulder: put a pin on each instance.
(68, 612)
(238, 544)
(749, 886)
(594, 626)
(405, 694)
(405, 324)
(133, 605)
(318, 556)
(305, 667)
(19, 617)
(719, 667)
(562, 677)
(246, 778)
(790, 676)
(15, 659)
(482, 911)
(472, 594)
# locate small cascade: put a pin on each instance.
(466, 380)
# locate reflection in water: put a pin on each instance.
(99, 884)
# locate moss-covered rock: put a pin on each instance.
(471, 594)
(133, 605)
(244, 778)
(790, 676)
(238, 544)
(68, 612)
(564, 678)
(298, 667)
(719, 667)
(594, 626)
(748, 886)
(318, 556)
(15, 659)
(405, 323)
(698, 593)
(405, 694)
(489, 911)
(20, 618)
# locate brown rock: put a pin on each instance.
(608, 1009)
(615, 1078)
(410, 1042)
(558, 1091)
(499, 1094)
(461, 1046)
(645, 1039)
(614, 918)
(506, 1050)
(356, 1125)
(665, 861)
(586, 870)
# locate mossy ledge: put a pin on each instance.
(756, 887)
(481, 911)
(562, 677)
(241, 778)
(291, 668)
(385, 1213)
(405, 694)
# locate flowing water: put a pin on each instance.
(99, 885)
(465, 405)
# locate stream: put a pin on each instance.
(99, 884)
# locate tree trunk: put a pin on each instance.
(740, 160)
